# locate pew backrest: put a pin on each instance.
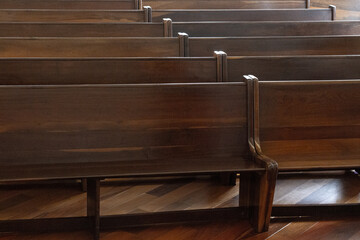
(295, 67)
(309, 125)
(274, 46)
(92, 47)
(60, 15)
(70, 4)
(34, 71)
(51, 132)
(84, 30)
(244, 29)
(178, 47)
(191, 15)
(226, 4)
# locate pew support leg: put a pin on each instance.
(257, 194)
(93, 206)
(228, 179)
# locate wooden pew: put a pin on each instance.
(247, 29)
(178, 47)
(61, 15)
(35, 71)
(295, 67)
(147, 15)
(226, 4)
(273, 46)
(92, 47)
(309, 126)
(191, 15)
(85, 29)
(70, 4)
(95, 131)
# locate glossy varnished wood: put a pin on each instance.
(295, 67)
(141, 136)
(106, 70)
(310, 125)
(244, 15)
(81, 30)
(61, 199)
(91, 47)
(238, 29)
(225, 4)
(275, 46)
(69, 4)
(60, 15)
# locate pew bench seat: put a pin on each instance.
(317, 154)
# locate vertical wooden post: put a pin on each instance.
(221, 66)
(84, 184)
(307, 4)
(333, 12)
(138, 4)
(148, 13)
(167, 27)
(183, 44)
(93, 206)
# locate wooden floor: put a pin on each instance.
(129, 196)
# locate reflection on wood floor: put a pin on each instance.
(63, 199)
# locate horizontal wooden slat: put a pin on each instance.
(243, 15)
(295, 67)
(81, 30)
(224, 4)
(67, 4)
(90, 47)
(106, 70)
(276, 46)
(238, 29)
(49, 15)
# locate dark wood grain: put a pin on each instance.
(275, 46)
(244, 15)
(238, 29)
(311, 124)
(106, 70)
(60, 15)
(295, 67)
(224, 4)
(69, 4)
(81, 30)
(90, 47)
(142, 130)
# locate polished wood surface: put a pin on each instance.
(244, 15)
(225, 4)
(51, 146)
(106, 70)
(60, 15)
(238, 29)
(69, 4)
(275, 46)
(310, 124)
(181, 46)
(295, 67)
(91, 47)
(81, 30)
(61, 199)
